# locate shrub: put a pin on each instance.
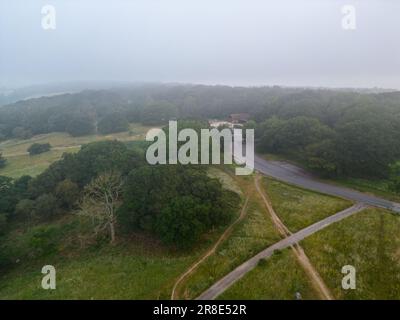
(46, 206)
(67, 193)
(38, 148)
(44, 241)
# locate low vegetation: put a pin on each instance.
(299, 208)
(278, 278)
(369, 241)
(252, 234)
(137, 267)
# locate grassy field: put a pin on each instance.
(277, 278)
(369, 241)
(18, 166)
(20, 163)
(299, 208)
(251, 235)
(131, 270)
(136, 268)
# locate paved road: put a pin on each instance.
(295, 175)
(224, 283)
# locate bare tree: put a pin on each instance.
(100, 201)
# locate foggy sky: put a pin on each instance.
(238, 42)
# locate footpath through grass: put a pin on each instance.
(135, 268)
(369, 241)
(278, 278)
(254, 233)
(299, 208)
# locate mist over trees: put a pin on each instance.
(335, 132)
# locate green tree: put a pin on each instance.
(38, 148)
(25, 210)
(113, 122)
(153, 199)
(21, 133)
(80, 125)
(46, 206)
(67, 193)
(180, 222)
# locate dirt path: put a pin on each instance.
(228, 280)
(211, 250)
(316, 280)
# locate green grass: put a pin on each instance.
(32, 165)
(112, 273)
(369, 241)
(138, 267)
(132, 271)
(226, 180)
(378, 187)
(277, 278)
(19, 162)
(299, 208)
(254, 233)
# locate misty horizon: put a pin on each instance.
(288, 44)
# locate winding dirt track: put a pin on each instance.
(224, 283)
(210, 251)
(316, 280)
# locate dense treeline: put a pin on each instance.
(111, 183)
(335, 132)
(335, 138)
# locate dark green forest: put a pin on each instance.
(335, 132)
(111, 174)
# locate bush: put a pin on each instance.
(25, 209)
(46, 206)
(38, 148)
(67, 193)
(44, 241)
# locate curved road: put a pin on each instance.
(297, 176)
